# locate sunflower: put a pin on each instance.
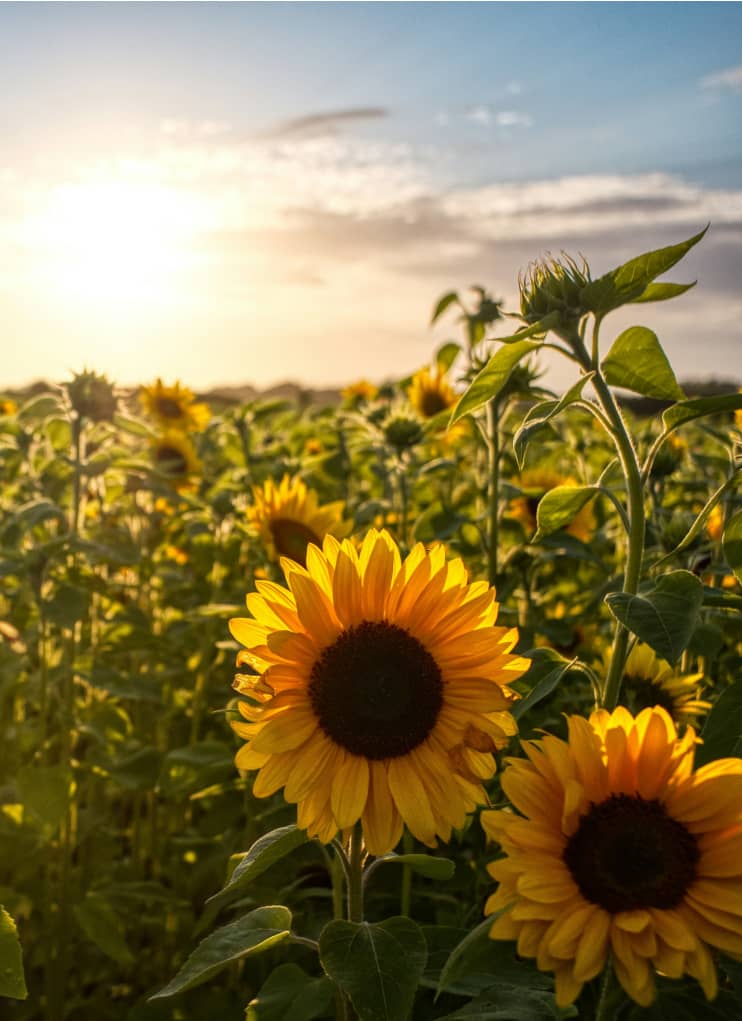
(359, 392)
(738, 414)
(174, 406)
(430, 393)
(649, 680)
(174, 455)
(715, 523)
(7, 406)
(289, 517)
(536, 482)
(621, 849)
(382, 692)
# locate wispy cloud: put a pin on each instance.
(327, 122)
(730, 78)
(513, 119)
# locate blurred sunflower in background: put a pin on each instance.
(7, 406)
(649, 680)
(359, 392)
(619, 850)
(430, 393)
(382, 694)
(535, 483)
(174, 407)
(174, 455)
(289, 516)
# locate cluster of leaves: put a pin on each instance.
(121, 811)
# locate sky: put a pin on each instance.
(250, 193)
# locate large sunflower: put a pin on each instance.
(649, 680)
(382, 693)
(621, 849)
(430, 393)
(289, 517)
(174, 406)
(536, 482)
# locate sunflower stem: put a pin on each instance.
(405, 899)
(355, 874)
(493, 449)
(606, 988)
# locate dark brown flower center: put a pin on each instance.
(169, 408)
(376, 690)
(171, 460)
(628, 853)
(291, 539)
(433, 401)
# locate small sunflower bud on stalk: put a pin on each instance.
(92, 396)
(553, 287)
(402, 432)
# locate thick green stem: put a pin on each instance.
(355, 875)
(405, 899)
(604, 1003)
(493, 449)
(635, 508)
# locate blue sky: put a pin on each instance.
(313, 157)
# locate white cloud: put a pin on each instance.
(479, 115)
(513, 119)
(729, 78)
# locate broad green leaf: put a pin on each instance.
(377, 966)
(289, 994)
(478, 955)
(699, 407)
(12, 980)
(424, 864)
(506, 1002)
(685, 1001)
(722, 732)
(134, 427)
(446, 355)
(662, 292)
(559, 506)
(253, 933)
(442, 304)
(637, 362)
(665, 616)
(492, 378)
(542, 413)
(102, 926)
(68, 605)
(629, 281)
(266, 851)
(40, 407)
(732, 544)
(45, 791)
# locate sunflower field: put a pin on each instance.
(426, 705)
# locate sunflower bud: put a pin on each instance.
(554, 286)
(92, 396)
(402, 432)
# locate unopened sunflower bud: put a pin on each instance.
(554, 287)
(92, 396)
(403, 432)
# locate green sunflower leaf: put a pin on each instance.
(559, 506)
(540, 414)
(423, 864)
(289, 994)
(505, 1002)
(490, 380)
(662, 292)
(442, 304)
(699, 407)
(637, 362)
(722, 732)
(732, 544)
(45, 791)
(253, 933)
(665, 616)
(377, 966)
(102, 926)
(12, 980)
(266, 851)
(446, 355)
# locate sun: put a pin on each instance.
(114, 238)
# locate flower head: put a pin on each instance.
(649, 680)
(620, 849)
(7, 406)
(430, 393)
(289, 516)
(174, 407)
(359, 392)
(382, 690)
(174, 456)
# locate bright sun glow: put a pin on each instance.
(114, 240)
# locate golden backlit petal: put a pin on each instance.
(638, 981)
(379, 569)
(655, 761)
(349, 790)
(315, 610)
(300, 650)
(565, 932)
(585, 748)
(528, 793)
(382, 823)
(668, 961)
(319, 567)
(409, 795)
(548, 888)
(723, 859)
(312, 768)
(718, 893)
(632, 921)
(566, 987)
(529, 938)
(700, 965)
(247, 758)
(273, 775)
(592, 950)
(347, 591)
(286, 732)
(504, 927)
(248, 632)
(673, 929)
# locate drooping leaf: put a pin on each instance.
(45, 791)
(377, 966)
(266, 851)
(446, 355)
(12, 979)
(664, 616)
(487, 384)
(637, 362)
(253, 933)
(628, 282)
(560, 506)
(542, 413)
(699, 407)
(102, 926)
(427, 865)
(289, 994)
(546, 671)
(442, 304)
(732, 544)
(722, 732)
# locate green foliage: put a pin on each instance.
(290, 994)
(637, 362)
(664, 616)
(722, 734)
(488, 383)
(12, 980)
